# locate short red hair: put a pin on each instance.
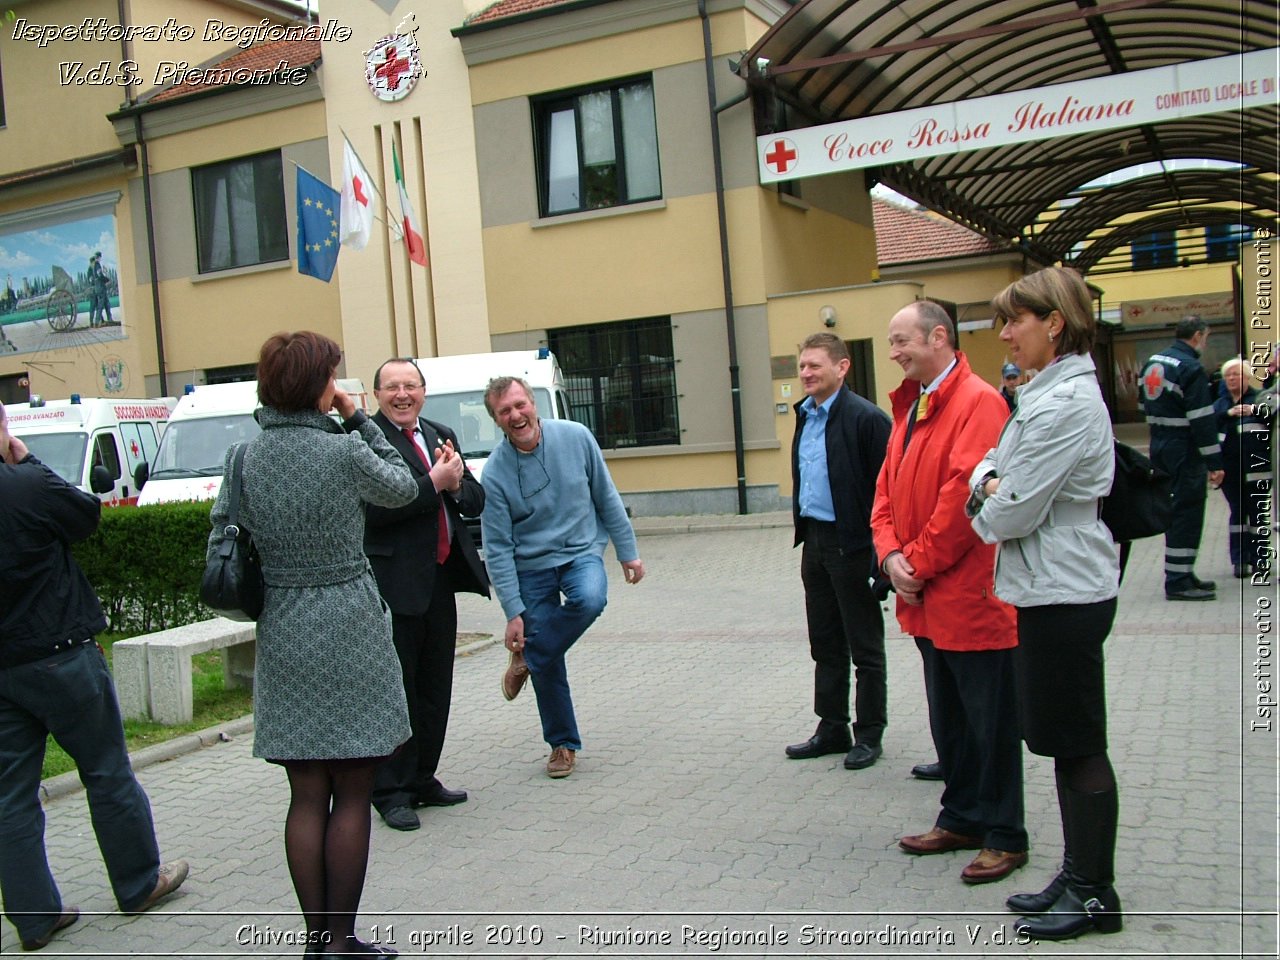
(294, 369)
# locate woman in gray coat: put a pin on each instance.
(1037, 495)
(328, 698)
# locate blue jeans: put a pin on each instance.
(551, 628)
(71, 696)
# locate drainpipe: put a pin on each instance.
(735, 386)
(150, 215)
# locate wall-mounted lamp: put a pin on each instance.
(827, 315)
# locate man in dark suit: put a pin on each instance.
(422, 554)
(836, 455)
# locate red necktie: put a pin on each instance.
(442, 521)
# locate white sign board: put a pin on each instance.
(1084, 106)
(1146, 313)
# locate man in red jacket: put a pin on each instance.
(944, 419)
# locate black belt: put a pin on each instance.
(34, 656)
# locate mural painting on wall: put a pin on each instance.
(61, 286)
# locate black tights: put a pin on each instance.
(1091, 774)
(326, 841)
(1090, 813)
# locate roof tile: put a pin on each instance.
(908, 236)
(265, 56)
(502, 9)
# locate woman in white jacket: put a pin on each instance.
(1037, 495)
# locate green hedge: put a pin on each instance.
(145, 564)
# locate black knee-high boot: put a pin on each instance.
(1042, 901)
(1088, 900)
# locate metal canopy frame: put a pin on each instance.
(848, 59)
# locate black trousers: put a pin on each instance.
(846, 629)
(974, 720)
(1246, 502)
(1190, 487)
(425, 644)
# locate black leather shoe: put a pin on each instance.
(819, 746)
(1077, 910)
(1038, 902)
(438, 795)
(401, 818)
(862, 755)
(927, 771)
(1190, 593)
(1205, 584)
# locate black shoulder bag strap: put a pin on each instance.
(231, 529)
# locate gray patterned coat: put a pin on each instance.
(327, 683)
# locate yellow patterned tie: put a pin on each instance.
(922, 406)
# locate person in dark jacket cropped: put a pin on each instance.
(1184, 444)
(54, 681)
(836, 454)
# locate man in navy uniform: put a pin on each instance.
(1184, 444)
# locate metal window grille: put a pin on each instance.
(621, 380)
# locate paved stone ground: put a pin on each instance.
(684, 818)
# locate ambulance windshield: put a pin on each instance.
(197, 448)
(63, 453)
(464, 412)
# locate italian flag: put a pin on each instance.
(412, 232)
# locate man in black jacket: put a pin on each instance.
(422, 554)
(54, 680)
(836, 454)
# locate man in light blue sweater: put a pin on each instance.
(550, 508)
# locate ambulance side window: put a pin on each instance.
(105, 454)
(139, 444)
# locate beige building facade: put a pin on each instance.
(77, 308)
(560, 161)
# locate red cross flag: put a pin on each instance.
(781, 155)
(357, 196)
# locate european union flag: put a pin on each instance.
(318, 205)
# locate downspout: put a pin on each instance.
(150, 215)
(735, 385)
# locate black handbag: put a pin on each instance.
(1140, 503)
(232, 582)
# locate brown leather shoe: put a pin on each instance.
(561, 763)
(991, 865)
(939, 840)
(66, 918)
(513, 680)
(169, 879)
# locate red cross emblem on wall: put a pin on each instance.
(781, 155)
(392, 69)
(1153, 382)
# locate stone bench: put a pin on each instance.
(153, 671)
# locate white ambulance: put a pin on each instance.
(204, 425)
(455, 394)
(103, 445)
